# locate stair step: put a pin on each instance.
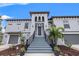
(38, 48)
(44, 44)
(39, 54)
(39, 51)
(39, 45)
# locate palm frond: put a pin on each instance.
(55, 33)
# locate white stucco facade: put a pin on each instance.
(39, 23)
(69, 33)
(14, 26)
(73, 23)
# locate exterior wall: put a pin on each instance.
(18, 28)
(5, 38)
(73, 23)
(12, 26)
(45, 20)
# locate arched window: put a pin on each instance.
(35, 19)
(39, 18)
(43, 19)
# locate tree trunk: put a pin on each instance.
(55, 41)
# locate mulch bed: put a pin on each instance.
(14, 51)
(68, 51)
(10, 51)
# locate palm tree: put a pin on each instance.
(55, 33)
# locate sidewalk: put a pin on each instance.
(3, 47)
(76, 47)
(39, 54)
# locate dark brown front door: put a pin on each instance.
(39, 30)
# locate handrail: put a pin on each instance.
(46, 38)
(31, 38)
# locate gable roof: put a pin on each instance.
(45, 12)
(18, 19)
(65, 16)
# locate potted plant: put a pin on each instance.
(22, 43)
(56, 50)
(22, 51)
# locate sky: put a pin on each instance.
(20, 10)
(55, 9)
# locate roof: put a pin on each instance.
(39, 12)
(65, 17)
(18, 19)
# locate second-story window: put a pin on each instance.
(78, 22)
(65, 21)
(10, 24)
(18, 24)
(26, 25)
(39, 19)
(35, 19)
(66, 24)
(43, 19)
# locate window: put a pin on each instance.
(18, 24)
(43, 19)
(26, 25)
(78, 22)
(66, 26)
(39, 18)
(5, 36)
(65, 21)
(9, 24)
(35, 19)
(13, 39)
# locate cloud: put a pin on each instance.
(22, 3)
(5, 17)
(5, 4)
(9, 4)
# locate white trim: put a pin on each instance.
(70, 32)
(8, 39)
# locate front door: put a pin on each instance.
(39, 30)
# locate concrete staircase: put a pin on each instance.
(39, 45)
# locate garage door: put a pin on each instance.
(13, 39)
(72, 38)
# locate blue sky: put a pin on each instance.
(55, 9)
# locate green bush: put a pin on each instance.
(22, 51)
(56, 48)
